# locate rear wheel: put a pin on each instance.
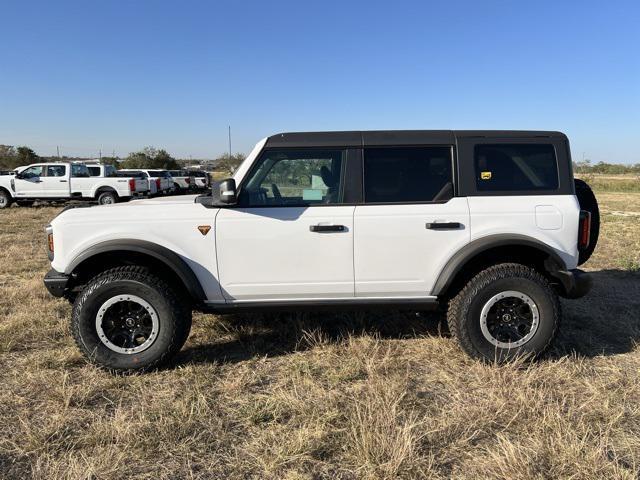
(127, 318)
(5, 199)
(107, 198)
(505, 311)
(588, 202)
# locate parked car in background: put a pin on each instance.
(141, 184)
(159, 181)
(62, 181)
(200, 180)
(166, 181)
(182, 181)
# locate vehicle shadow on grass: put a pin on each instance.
(605, 322)
(246, 336)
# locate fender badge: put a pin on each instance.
(204, 229)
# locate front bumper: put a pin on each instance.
(56, 282)
(573, 283)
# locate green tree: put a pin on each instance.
(229, 164)
(163, 160)
(8, 157)
(26, 155)
(150, 157)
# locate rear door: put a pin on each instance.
(410, 223)
(56, 181)
(291, 235)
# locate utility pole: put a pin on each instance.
(100, 156)
(58, 150)
(229, 142)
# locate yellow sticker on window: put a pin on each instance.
(485, 175)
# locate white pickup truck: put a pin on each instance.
(62, 181)
(159, 181)
(102, 171)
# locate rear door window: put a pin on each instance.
(515, 167)
(56, 170)
(408, 174)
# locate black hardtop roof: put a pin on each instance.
(395, 137)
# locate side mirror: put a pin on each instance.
(19, 176)
(228, 191)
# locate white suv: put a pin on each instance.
(487, 223)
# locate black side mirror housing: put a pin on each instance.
(228, 192)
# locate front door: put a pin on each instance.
(290, 237)
(30, 183)
(410, 223)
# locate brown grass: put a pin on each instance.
(376, 395)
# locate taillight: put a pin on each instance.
(584, 229)
(158, 183)
(132, 185)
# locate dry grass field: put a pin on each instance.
(375, 395)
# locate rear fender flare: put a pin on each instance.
(457, 262)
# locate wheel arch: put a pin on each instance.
(112, 253)
(486, 251)
(7, 190)
(104, 189)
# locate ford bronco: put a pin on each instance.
(490, 225)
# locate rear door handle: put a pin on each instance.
(327, 228)
(62, 180)
(444, 225)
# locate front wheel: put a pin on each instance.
(129, 319)
(5, 199)
(506, 311)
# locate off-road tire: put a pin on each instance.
(107, 198)
(463, 315)
(588, 201)
(5, 199)
(174, 318)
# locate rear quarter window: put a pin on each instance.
(515, 167)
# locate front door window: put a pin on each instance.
(294, 178)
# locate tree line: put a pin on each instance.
(149, 157)
(586, 166)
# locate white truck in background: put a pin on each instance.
(62, 181)
(102, 171)
(159, 181)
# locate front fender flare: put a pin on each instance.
(168, 257)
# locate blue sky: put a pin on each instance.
(116, 75)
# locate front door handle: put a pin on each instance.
(444, 225)
(63, 181)
(327, 228)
